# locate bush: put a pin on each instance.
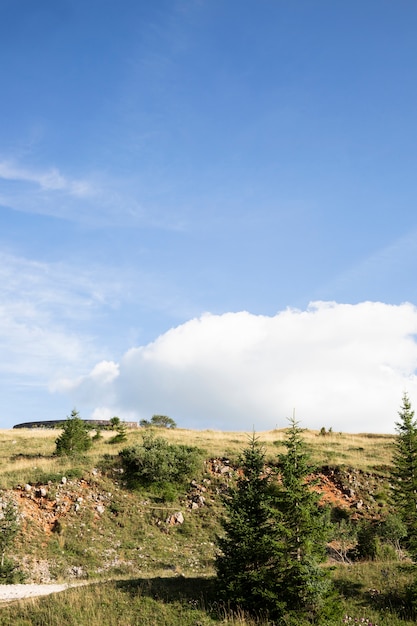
(156, 462)
(10, 573)
(368, 541)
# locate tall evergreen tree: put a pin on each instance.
(405, 472)
(248, 567)
(307, 587)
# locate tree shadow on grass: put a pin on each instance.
(349, 589)
(396, 602)
(30, 456)
(176, 589)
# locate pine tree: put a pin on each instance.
(248, 567)
(9, 525)
(405, 472)
(74, 438)
(121, 429)
(306, 585)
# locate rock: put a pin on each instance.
(175, 518)
(64, 480)
(100, 509)
(43, 492)
(28, 487)
(76, 572)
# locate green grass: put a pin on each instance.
(371, 591)
(169, 568)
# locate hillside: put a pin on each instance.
(144, 554)
(80, 521)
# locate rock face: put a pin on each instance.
(47, 506)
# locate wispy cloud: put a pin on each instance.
(45, 312)
(340, 366)
(96, 199)
(48, 180)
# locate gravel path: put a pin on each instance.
(17, 592)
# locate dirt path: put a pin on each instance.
(17, 592)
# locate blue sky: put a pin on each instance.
(207, 210)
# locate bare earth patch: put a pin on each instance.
(18, 592)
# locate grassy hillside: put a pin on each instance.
(80, 522)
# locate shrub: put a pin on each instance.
(368, 541)
(10, 573)
(158, 462)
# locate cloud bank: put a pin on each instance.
(338, 365)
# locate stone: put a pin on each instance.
(175, 518)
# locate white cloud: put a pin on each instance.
(45, 311)
(48, 180)
(94, 199)
(341, 366)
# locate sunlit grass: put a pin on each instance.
(367, 591)
(28, 452)
(178, 561)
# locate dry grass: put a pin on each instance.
(362, 451)
(25, 453)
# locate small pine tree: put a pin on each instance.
(405, 472)
(9, 525)
(74, 438)
(248, 566)
(121, 430)
(306, 585)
